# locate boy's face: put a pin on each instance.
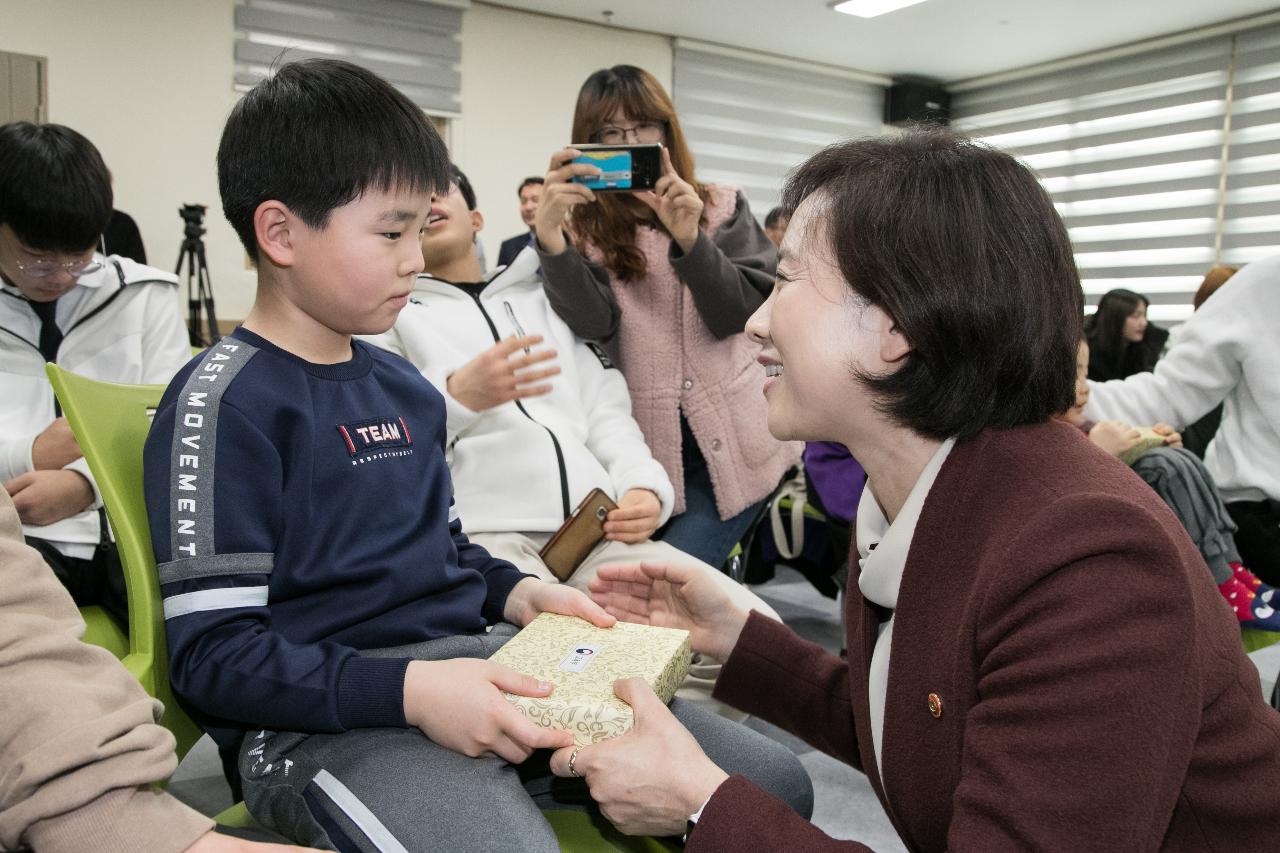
(17, 262)
(451, 228)
(355, 274)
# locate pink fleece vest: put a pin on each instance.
(672, 361)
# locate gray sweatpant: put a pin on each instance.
(391, 789)
(1181, 480)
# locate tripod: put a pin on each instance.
(199, 288)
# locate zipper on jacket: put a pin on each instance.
(555, 442)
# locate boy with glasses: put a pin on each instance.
(105, 317)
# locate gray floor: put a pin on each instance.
(845, 806)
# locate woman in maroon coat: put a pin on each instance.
(1038, 659)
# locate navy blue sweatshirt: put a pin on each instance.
(300, 512)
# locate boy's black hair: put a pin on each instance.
(464, 186)
(773, 217)
(317, 135)
(55, 191)
(532, 180)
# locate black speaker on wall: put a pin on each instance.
(911, 102)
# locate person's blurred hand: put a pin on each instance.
(43, 497)
(498, 375)
(1115, 437)
(1172, 438)
(55, 447)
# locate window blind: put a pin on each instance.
(1161, 163)
(748, 120)
(414, 44)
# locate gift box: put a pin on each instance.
(583, 662)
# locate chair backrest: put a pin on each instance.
(110, 421)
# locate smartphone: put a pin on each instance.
(581, 532)
(623, 167)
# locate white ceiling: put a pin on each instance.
(946, 40)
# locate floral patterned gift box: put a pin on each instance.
(583, 661)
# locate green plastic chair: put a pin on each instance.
(110, 421)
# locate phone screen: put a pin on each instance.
(622, 167)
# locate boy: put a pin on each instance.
(527, 438)
(323, 608)
(105, 317)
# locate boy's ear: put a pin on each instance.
(274, 225)
(477, 221)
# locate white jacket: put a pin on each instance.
(509, 475)
(1228, 352)
(119, 324)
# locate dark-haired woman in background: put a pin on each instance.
(667, 279)
(1115, 333)
(1038, 659)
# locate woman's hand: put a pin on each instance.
(1115, 437)
(677, 204)
(672, 597)
(498, 375)
(559, 196)
(459, 704)
(532, 596)
(636, 517)
(1172, 438)
(651, 779)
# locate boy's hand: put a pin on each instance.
(636, 517)
(560, 195)
(56, 447)
(533, 596)
(1114, 437)
(501, 374)
(43, 497)
(677, 203)
(459, 704)
(1172, 438)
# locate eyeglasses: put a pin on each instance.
(641, 131)
(43, 269)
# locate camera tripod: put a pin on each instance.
(199, 288)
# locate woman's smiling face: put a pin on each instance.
(817, 335)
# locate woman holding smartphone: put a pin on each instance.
(666, 279)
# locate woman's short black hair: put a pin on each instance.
(960, 245)
(55, 191)
(317, 135)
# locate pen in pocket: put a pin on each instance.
(511, 315)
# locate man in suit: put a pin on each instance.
(530, 191)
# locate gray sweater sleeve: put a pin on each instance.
(579, 291)
(730, 276)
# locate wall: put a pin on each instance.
(520, 78)
(150, 83)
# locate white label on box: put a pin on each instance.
(579, 658)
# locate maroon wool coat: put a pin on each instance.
(1064, 676)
